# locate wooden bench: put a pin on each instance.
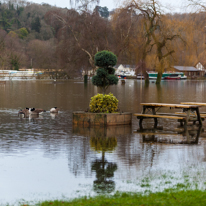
(155, 116)
(158, 116)
(192, 114)
(182, 114)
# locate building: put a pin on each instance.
(125, 69)
(197, 71)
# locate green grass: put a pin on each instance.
(168, 197)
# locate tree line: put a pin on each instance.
(139, 33)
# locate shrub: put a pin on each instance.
(105, 103)
(105, 77)
(105, 59)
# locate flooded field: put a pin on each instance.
(48, 158)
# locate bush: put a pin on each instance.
(107, 103)
(105, 59)
(105, 77)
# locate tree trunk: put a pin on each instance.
(146, 78)
(159, 77)
(160, 71)
(85, 78)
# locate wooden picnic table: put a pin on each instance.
(150, 111)
(202, 104)
(194, 103)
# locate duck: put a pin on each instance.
(24, 112)
(54, 110)
(36, 111)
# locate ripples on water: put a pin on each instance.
(47, 158)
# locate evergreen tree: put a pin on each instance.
(36, 25)
(105, 77)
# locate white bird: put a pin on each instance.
(54, 110)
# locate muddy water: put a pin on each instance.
(46, 157)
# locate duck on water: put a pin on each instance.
(54, 110)
(30, 111)
(24, 111)
(35, 111)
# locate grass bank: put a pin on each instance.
(168, 197)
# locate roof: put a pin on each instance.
(186, 68)
(125, 66)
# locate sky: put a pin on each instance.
(111, 4)
(65, 3)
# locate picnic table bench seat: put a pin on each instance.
(173, 116)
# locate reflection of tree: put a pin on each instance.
(103, 144)
(104, 169)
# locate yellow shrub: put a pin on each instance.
(103, 103)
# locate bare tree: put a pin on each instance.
(84, 5)
(197, 5)
(157, 34)
(87, 32)
(42, 54)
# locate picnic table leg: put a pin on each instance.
(181, 123)
(155, 119)
(187, 134)
(198, 133)
(198, 116)
(187, 111)
(143, 110)
(140, 123)
(141, 119)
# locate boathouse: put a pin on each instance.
(191, 71)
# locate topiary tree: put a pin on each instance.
(105, 77)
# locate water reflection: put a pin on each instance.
(111, 131)
(180, 135)
(103, 140)
(103, 168)
(54, 115)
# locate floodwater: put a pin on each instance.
(46, 158)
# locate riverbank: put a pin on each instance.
(168, 197)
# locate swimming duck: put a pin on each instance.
(24, 112)
(36, 110)
(54, 110)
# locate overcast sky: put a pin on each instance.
(111, 4)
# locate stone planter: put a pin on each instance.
(101, 119)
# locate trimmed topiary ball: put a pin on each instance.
(103, 103)
(105, 59)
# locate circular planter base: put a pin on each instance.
(101, 119)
